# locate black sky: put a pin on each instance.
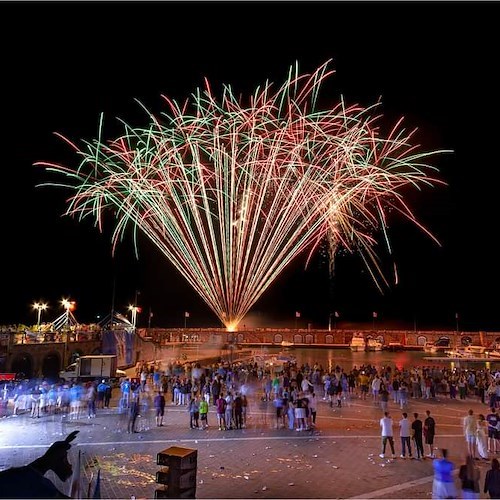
(433, 63)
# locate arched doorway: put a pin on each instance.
(466, 340)
(278, 338)
(329, 339)
(22, 366)
(50, 366)
(297, 339)
(309, 338)
(421, 340)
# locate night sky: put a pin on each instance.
(434, 63)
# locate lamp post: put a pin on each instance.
(39, 306)
(69, 305)
(134, 309)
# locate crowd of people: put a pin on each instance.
(219, 396)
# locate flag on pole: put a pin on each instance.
(76, 480)
(97, 488)
(456, 315)
(337, 315)
(374, 314)
(297, 314)
(150, 314)
(186, 314)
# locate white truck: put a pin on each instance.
(91, 367)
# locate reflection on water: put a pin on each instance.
(345, 358)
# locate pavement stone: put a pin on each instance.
(337, 460)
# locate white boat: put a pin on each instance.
(477, 350)
(469, 351)
(374, 345)
(441, 345)
(357, 343)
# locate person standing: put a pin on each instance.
(101, 392)
(204, 413)
(416, 431)
(220, 404)
(386, 425)
(133, 411)
(492, 480)
(429, 432)
(470, 432)
(469, 477)
(384, 398)
(194, 412)
(313, 402)
(159, 405)
(404, 433)
(482, 437)
(493, 421)
(443, 485)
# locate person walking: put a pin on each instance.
(469, 476)
(492, 480)
(404, 434)
(386, 425)
(443, 485)
(429, 432)
(416, 431)
(470, 432)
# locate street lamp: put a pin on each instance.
(39, 306)
(335, 316)
(69, 305)
(134, 309)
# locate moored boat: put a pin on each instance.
(357, 343)
(374, 345)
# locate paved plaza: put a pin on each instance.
(338, 460)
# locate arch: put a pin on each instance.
(240, 338)
(278, 338)
(297, 339)
(309, 338)
(329, 339)
(421, 340)
(51, 364)
(22, 365)
(381, 339)
(466, 340)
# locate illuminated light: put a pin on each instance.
(232, 194)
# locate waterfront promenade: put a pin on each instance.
(339, 460)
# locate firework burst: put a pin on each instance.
(232, 193)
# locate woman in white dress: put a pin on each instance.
(482, 437)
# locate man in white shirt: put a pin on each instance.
(386, 424)
(405, 433)
(470, 431)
